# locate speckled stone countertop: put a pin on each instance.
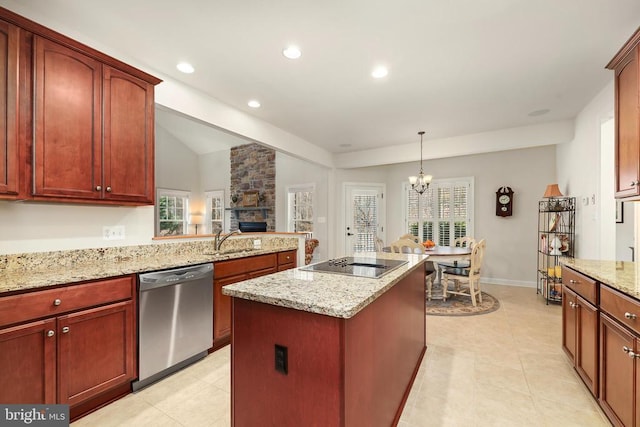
(29, 271)
(330, 294)
(621, 275)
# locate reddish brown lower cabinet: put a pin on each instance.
(79, 354)
(28, 362)
(580, 337)
(237, 270)
(618, 373)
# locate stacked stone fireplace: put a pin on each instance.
(253, 168)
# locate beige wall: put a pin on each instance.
(511, 241)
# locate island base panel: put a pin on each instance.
(341, 372)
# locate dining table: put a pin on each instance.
(439, 254)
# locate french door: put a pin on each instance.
(363, 217)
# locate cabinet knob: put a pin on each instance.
(65, 330)
(574, 281)
(630, 352)
(108, 189)
(98, 188)
(57, 302)
(573, 304)
(630, 316)
(634, 183)
(50, 333)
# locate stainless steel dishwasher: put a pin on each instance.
(175, 320)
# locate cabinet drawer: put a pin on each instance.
(288, 257)
(38, 304)
(244, 265)
(624, 309)
(584, 286)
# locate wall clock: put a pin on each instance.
(504, 201)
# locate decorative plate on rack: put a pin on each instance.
(553, 222)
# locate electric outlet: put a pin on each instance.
(257, 244)
(114, 232)
(282, 359)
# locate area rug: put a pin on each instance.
(459, 305)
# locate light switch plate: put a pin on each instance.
(113, 232)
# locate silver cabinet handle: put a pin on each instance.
(65, 329)
(634, 183)
(57, 301)
(108, 189)
(573, 304)
(98, 188)
(630, 316)
(574, 281)
(50, 333)
(630, 353)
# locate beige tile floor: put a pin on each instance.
(505, 368)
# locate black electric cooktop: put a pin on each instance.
(362, 267)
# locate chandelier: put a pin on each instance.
(421, 182)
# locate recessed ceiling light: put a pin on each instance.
(379, 72)
(185, 67)
(539, 112)
(254, 103)
(292, 52)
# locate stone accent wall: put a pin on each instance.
(253, 167)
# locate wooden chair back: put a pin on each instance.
(477, 256)
(410, 237)
(464, 242)
(406, 246)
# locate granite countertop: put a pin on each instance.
(16, 279)
(621, 275)
(330, 294)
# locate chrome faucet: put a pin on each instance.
(217, 242)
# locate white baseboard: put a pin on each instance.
(509, 282)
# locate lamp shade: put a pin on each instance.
(552, 191)
(196, 219)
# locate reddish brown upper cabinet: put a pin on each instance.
(626, 66)
(9, 127)
(77, 125)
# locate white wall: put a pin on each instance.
(625, 233)
(293, 171)
(215, 174)
(511, 241)
(580, 174)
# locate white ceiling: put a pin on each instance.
(455, 67)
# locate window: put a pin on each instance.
(300, 208)
(215, 211)
(172, 212)
(442, 213)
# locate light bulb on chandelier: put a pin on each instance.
(421, 182)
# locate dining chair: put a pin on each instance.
(410, 237)
(379, 244)
(459, 242)
(470, 275)
(411, 246)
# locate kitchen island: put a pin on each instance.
(312, 348)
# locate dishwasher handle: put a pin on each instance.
(158, 279)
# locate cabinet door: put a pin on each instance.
(586, 359)
(222, 308)
(96, 351)
(28, 363)
(617, 381)
(569, 323)
(128, 138)
(9, 153)
(627, 153)
(68, 127)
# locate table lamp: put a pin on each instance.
(196, 219)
